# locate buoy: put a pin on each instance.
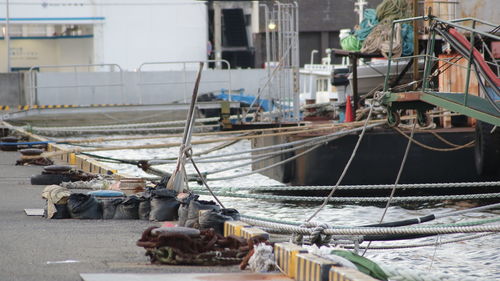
(348, 110)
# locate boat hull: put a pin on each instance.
(378, 160)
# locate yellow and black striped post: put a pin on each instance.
(347, 274)
(312, 268)
(286, 257)
(249, 232)
(234, 227)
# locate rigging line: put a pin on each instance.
(102, 139)
(166, 145)
(425, 244)
(398, 177)
(467, 145)
(232, 167)
(437, 243)
(203, 180)
(273, 153)
(346, 166)
(375, 123)
(268, 167)
(444, 140)
(306, 143)
(417, 220)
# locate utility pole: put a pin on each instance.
(6, 35)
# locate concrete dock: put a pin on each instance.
(34, 248)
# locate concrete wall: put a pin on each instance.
(149, 87)
(11, 89)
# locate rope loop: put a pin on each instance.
(318, 237)
(297, 237)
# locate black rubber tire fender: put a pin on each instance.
(31, 151)
(48, 179)
(58, 168)
(9, 139)
(487, 149)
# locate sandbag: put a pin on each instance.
(144, 208)
(215, 219)
(128, 209)
(164, 206)
(184, 207)
(83, 206)
(62, 212)
(109, 207)
(195, 206)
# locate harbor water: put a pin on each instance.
(476, 259)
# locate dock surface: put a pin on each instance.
(34, 248)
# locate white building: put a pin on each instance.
(124, 32)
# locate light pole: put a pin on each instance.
(6, 35)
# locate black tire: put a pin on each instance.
(57, 168)
(9, 139)
(48, 179)
(487, 150)
(393, 118)
(423, 119)
(31, 151)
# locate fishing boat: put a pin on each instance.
(463, 148)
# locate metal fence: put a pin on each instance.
(187, 77)
(77, 82)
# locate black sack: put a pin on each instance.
(214, 219)
(195, 206)
(184, 208)
(62, 212)
(164, 206)
(144, 208)
(109, 207)
(83, 206)
(128, 209)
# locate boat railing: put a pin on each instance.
(186, 81)
(486, 108)
(78, 82)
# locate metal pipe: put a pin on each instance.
(268, 45)
(217, 34)
(386, 80)
(313, 96)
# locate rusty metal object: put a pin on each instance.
(209, 248)
(72, 174)
(42, 161)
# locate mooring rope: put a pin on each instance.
(423, 244)
(400, 171)
(176, 144)
(118, 126)
(360, 187)
(379, 230)
(467, 145)
(357, 199)
(267, 167)
(365, 125)
(217, 133)
(417, 220)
